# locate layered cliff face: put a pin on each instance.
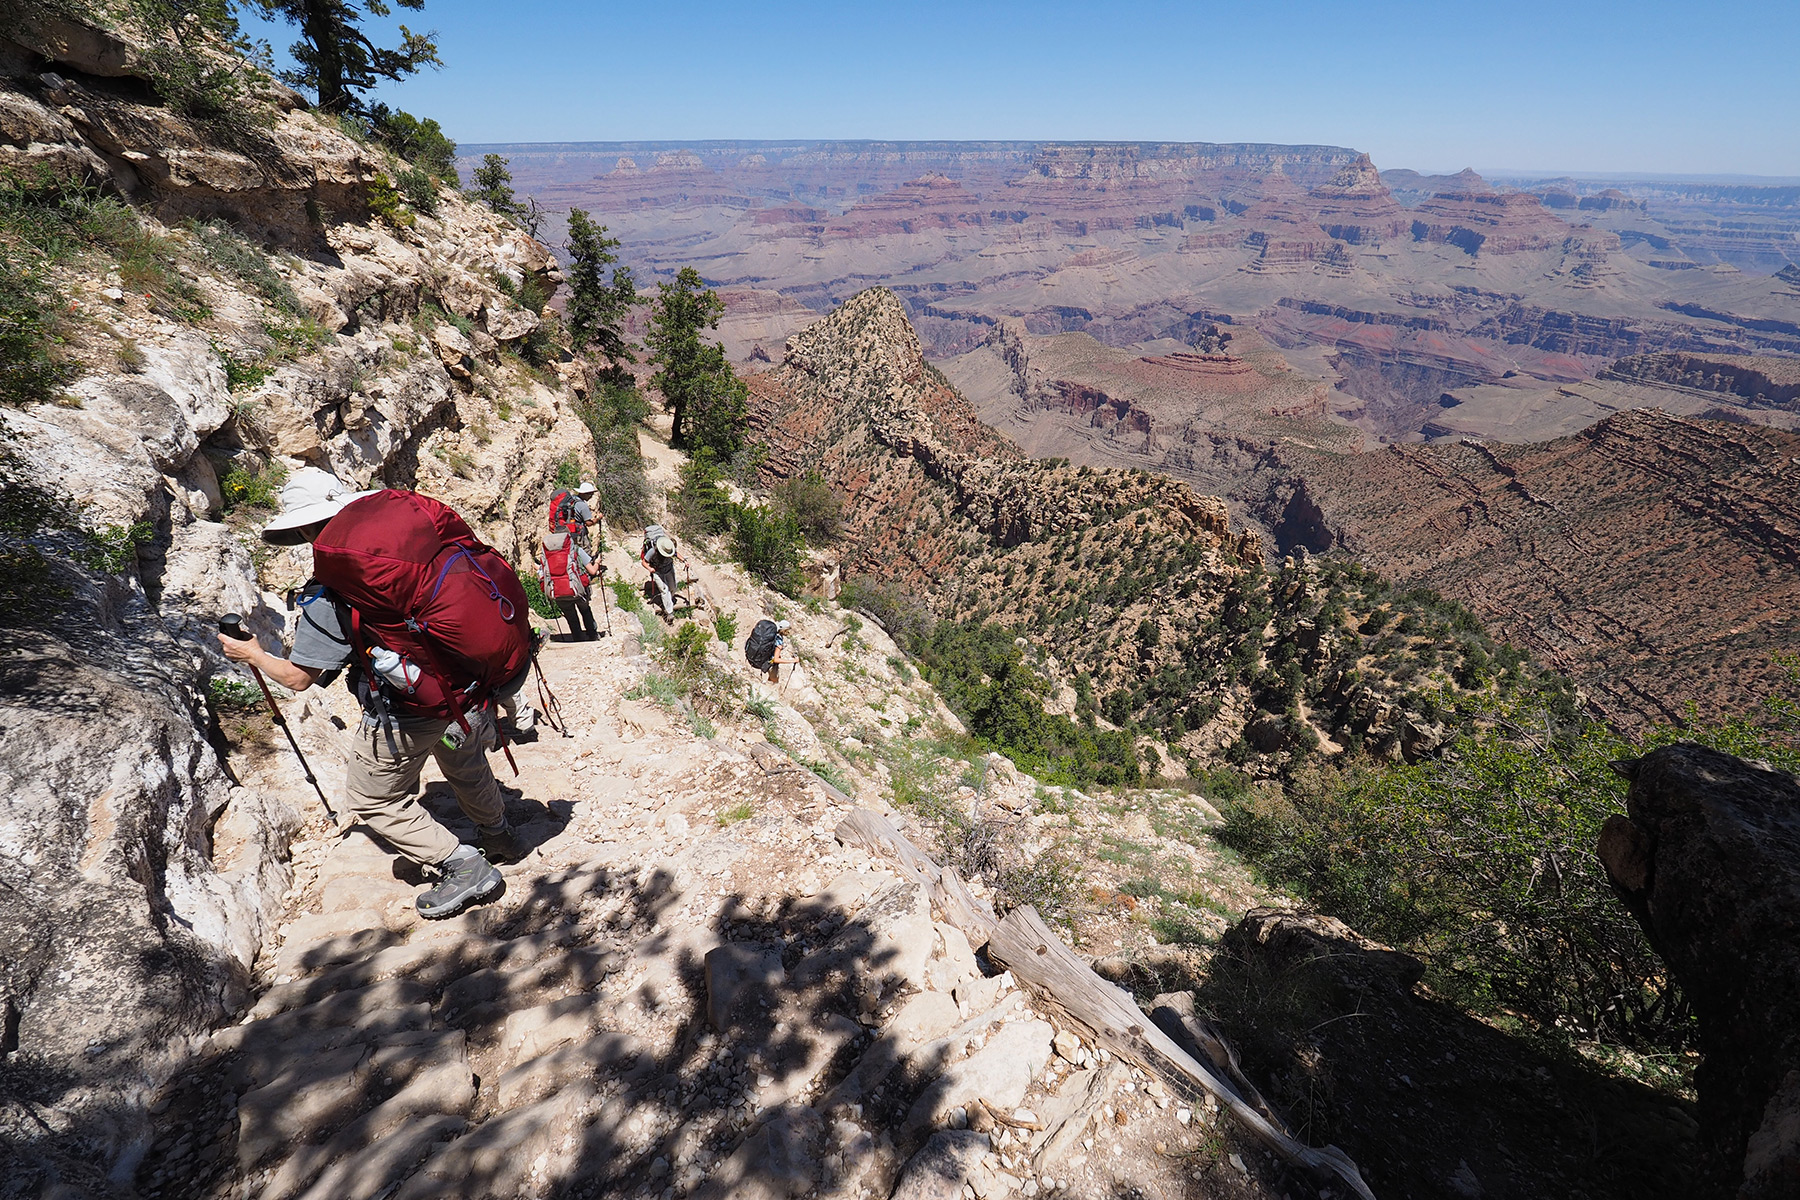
(1392, 298)
(278, 324)
(1649, 557)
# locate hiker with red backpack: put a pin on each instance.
(431, 625)
(572, 512)
(566, 572)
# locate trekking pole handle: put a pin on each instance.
(232, 626)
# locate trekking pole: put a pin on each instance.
(232, 626)
(605, 608)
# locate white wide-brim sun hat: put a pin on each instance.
(309, 496)
(666, 547)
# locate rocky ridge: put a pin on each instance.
(1127, 579)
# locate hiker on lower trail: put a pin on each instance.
(572, 512)
(432, 626)
(767, 648)
(566, 572)
(659, 557)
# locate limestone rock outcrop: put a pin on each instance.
(1707, 858)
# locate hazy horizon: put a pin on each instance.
(1657, 88)
(466, 149)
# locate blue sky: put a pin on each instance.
(1650, 86)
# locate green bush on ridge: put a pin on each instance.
(1481, 862)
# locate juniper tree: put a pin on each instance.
(493, 186)
(692, 374)
(597, 308)
(421, 142)
(337, 60)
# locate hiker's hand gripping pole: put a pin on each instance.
(232, 626)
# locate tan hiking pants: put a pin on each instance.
(384, 772)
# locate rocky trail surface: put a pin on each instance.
(689, 986)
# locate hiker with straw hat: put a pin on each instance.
(659, 556)
(389, 749)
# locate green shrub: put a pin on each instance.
(627, 596)
(1481, 862)
(704, 689)
(386, 203)
(541, 604)
(421, 142)
(233, 695)
(242, 373)
(568, 471)
(982, 675)
(211, 92)
(244, 488)
(814, 505)
(684, 654)
(701, 506)
(112, 549)
(419, 188)
(612, 414)
(767, 542)
(32, 368)
(904, 616)
(725, 627)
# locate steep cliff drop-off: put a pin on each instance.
(141, 876)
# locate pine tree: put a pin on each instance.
(337, 60)
(688, 366)
(718, 407)
(597, 308)
(493, 185)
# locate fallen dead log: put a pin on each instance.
(775, 762)
(1039, 960)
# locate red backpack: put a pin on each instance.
(562, 520)
(557, 564)
(416, 577)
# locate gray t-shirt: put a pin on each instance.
(322, 637)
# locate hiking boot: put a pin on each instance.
(500, 843)
(462, 882)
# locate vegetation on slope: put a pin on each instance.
(1480, 860)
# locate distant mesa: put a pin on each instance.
(1488, 222)
(679, 160)
(625, 166)
(1411, 188)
